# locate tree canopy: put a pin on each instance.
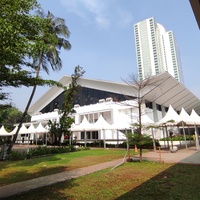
(66, 119)
(21, 40)
(9, 116)
(17, 31)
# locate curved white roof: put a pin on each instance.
(163, 90)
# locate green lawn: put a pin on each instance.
(16, 171)
(132, 180)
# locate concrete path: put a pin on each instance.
(25, 186)
(186, 156)
(189, 156)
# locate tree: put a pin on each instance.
(20, 38)
(139, 88)
(17, 32)
(9, 116)
(52, 37)
(66, 119)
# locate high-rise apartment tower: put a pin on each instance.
(156, 50)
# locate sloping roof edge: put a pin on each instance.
(167, 91)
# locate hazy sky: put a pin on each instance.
(102, 39)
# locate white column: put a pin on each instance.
(155, 114)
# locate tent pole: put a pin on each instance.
(179, 135)
(197, 138)
(104, 138)
(189, 134)
(184, 135)
(85, 137)
(164, 136)
(167, 137)
(154, 144)
(117, 137)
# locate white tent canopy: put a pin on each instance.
(171, 115)
(195, 117)
(31, 129)
(41, 129)
(186, 118)
(3, 132)
(84, 125)
(101, 123)
(123, 122)
(14, 130)
(23, 130)
(146, 121)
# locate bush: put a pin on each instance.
(178, 138)
(40, 151)
(16, 155)
(145, 142)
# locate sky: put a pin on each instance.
(102, 39)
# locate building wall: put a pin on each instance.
(85, 96)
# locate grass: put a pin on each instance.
(132, 180)
(16, 171)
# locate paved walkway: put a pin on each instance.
(186, 156)
(190, 155)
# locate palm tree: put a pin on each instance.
(54, 37)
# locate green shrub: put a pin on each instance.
(16, 155)
(177, 138)
(39, 151)
(144, 142)
(82, 148)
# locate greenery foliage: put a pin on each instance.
(178, 138)
(18, 32)
(62, 127)
(9, 116)
(41, 151)
(40, 37)
(141, 141)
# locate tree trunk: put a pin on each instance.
(25, 111)
(140, 124)
(22, 119)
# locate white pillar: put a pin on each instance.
(104, 138)
(155, 114)
(197, 138)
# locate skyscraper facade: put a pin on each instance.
(156, 50)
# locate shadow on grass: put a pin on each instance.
(134, 180)
(25, 175)
(50, 192)
(177, 182)
(29, 162)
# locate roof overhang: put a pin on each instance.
(166, 90)
(195, 4)
(163, 90)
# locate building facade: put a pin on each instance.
(156, 50)
(105, 110)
